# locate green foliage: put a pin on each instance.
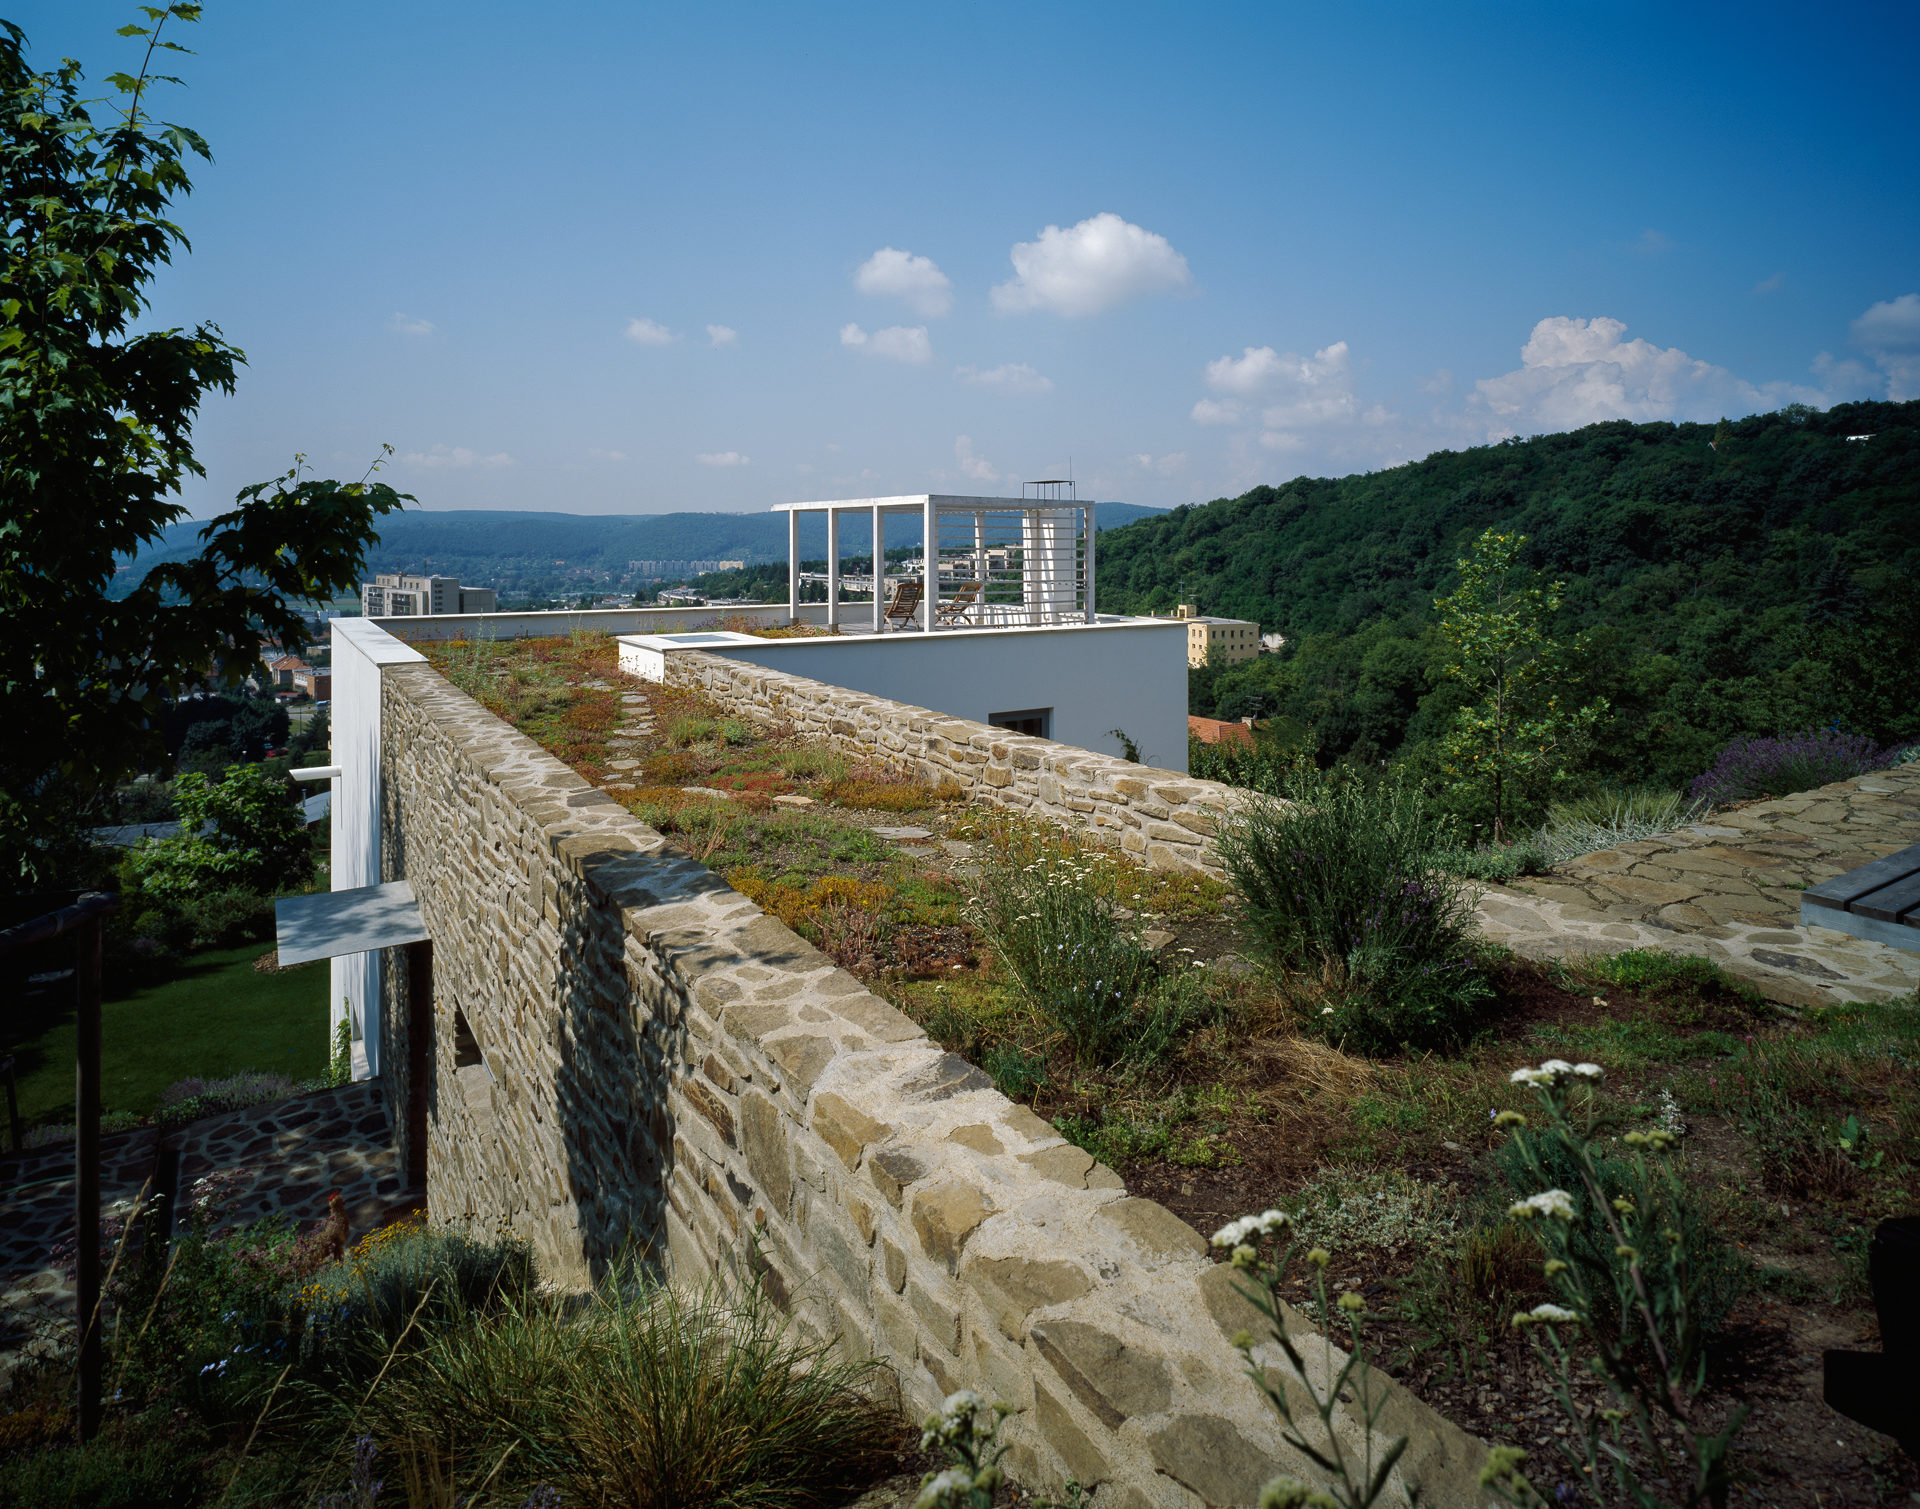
(1077, 962)
(95, 440)
(1186, 1128)
(242, 834)
(1752, 590)
(1514, 741)
(1639, 1271)
(1373, 943)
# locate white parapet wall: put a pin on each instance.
(426, 629)
(361, 652)
(1084, 681)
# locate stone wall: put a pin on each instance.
(627, 1052)
(1165, 821)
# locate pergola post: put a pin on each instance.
(879, 571)
(833, 567)
(930, 564)
(793, 564)
(1092, 528)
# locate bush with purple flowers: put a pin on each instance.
(1752, 768)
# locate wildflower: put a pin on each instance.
(1291, 1493)
(1503, 1464)
(1627, 1253)
(1509, 1119)
(1244, 1257)
(1319, 1257)
(1589, 1071)
(1351, 1302)
(944, 1488)
(1234, 1233)
(1549, 1202)
(1555, 1267)
(1545, 1315)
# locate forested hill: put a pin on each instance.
(1706, 559)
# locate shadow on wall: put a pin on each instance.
(553, 1030)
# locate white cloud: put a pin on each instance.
(917, 281)
(603, 455)
(723, 458)
(1098, 264)
(1213, 411)
(1576, 372)
(973, 465)
(1013, 378)
(1771, 285)
(454, 458)
(896, 343)
(407, 324)
(1245, 374)
(723, 335)
(1164, 466)
(649, 333)
(1889, 332)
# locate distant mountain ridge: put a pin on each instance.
(526, 552)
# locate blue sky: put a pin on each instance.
(637, 258)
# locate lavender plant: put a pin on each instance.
(1653, 1365)
(1750, 768)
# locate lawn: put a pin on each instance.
(216, 1016)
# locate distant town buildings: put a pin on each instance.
(394, 594)
(1229, 639)
(659, 570)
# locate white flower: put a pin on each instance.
(1530, 1077)
(1552, 1315)
(1235, 1233)
(945, 1488)
(1589, 1071)
(1549, 1202)
(1559, 1068)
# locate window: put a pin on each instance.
(1035, 722)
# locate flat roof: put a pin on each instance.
(942, 502)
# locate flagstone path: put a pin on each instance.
(1729, 889)
(284, 1159)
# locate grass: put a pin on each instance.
(216, 1016)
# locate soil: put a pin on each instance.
(1792, 1450)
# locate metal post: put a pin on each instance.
(1092, 528)
(930, 564)
(980, 567)
(793, 564)
(879, 571)
(419, 1057)
(86, 1172)
(833, 567)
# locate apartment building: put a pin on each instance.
(394, 594)
(1232, 639)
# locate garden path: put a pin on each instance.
(1729, 889)
(285, 1158)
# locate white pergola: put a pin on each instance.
(1054, 575)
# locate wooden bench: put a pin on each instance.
(1879, 902)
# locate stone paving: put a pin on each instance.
(289, 1156)
(1729, 889)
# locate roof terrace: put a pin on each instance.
(985, 563)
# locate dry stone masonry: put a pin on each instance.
(627, 1055)
(1164, 821)
(1729, 889)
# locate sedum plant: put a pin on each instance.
(1652, 1361)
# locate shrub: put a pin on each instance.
(189, 1099)
(879, 791)
(1074, 959)
(1751, 768)
(242, 833)
(1493, 863)
(638, 1395)
(813, 762)
(1373, 943)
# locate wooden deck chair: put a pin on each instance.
(903, 605)
(958, 608)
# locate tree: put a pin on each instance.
(1516, 738)
(95, 439)
(244, 832)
